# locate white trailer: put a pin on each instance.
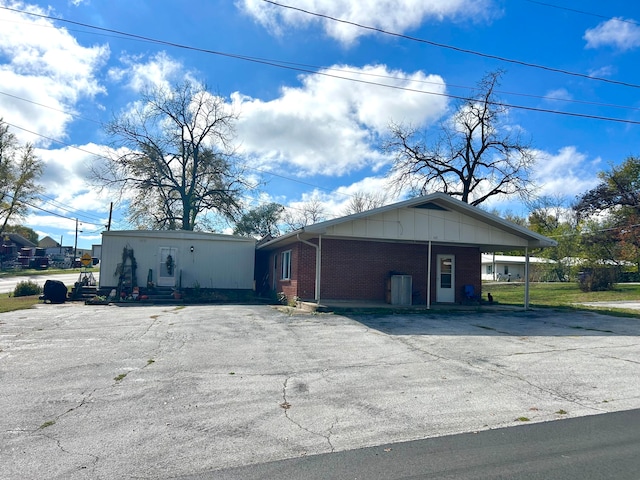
(180, 259)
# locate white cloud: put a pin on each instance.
(606, 71)
(558, 95)
(617, 32)
(397, 16)
(66, 175)
(331, 126)
(376, 187)
(43, 64)
(567, 173)
(139, 73)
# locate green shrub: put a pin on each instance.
(27, 288)
(597, 279)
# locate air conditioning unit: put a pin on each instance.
(401, 289)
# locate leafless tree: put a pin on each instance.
(474, 156)
(363, 201)
(178, 161)
(310, 212)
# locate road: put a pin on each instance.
(8, 284)
(586, 448)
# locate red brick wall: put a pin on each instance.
(468, 269)
(360, 270)
(303, 271)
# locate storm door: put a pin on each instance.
(167, 267)
(445, 288)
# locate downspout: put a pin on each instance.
(526, 278)
(318, 255)
(429, 277)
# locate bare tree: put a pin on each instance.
(20, 170)
(310, 212)
(178, 161)
(473, 158)
(363, 201)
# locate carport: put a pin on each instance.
(435, 241)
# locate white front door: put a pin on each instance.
(445, 289)
(168, 266)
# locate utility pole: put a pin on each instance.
(75, 246)
(110, 212)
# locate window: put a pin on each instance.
(446, 272)
(286, 265)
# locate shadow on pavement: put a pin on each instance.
(541, 322)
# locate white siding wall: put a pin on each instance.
(414, 224)
(216, 261)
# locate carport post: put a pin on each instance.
(429, 277)
(526, 278)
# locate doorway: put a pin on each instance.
(167, 267)
(445, 283)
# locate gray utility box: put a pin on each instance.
(401, 289)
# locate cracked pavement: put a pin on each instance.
(164, 392)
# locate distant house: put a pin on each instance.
(178, 258)
(48, 242)
(420, 251)
(510, 267)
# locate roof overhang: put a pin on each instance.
(435, 201)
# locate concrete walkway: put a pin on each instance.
(627, 304)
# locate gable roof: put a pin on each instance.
(48, 242)
(436, 218)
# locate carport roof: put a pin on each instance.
(434, 201)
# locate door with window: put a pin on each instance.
(168, 266)
(445, 283)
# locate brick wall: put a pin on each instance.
(303, 271)
(360, 270)
(468, 269)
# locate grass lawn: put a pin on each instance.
(9, 304)
(560, 294)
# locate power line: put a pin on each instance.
(368, 74)
(55, 214)
(283, 64)
(259, 170)
(287, 65)
(454, 48)
(50, 108)
(582, 12)
(66, 208)
(328, 17)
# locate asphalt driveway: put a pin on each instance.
(161, 392)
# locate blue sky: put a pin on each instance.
(317, 134)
